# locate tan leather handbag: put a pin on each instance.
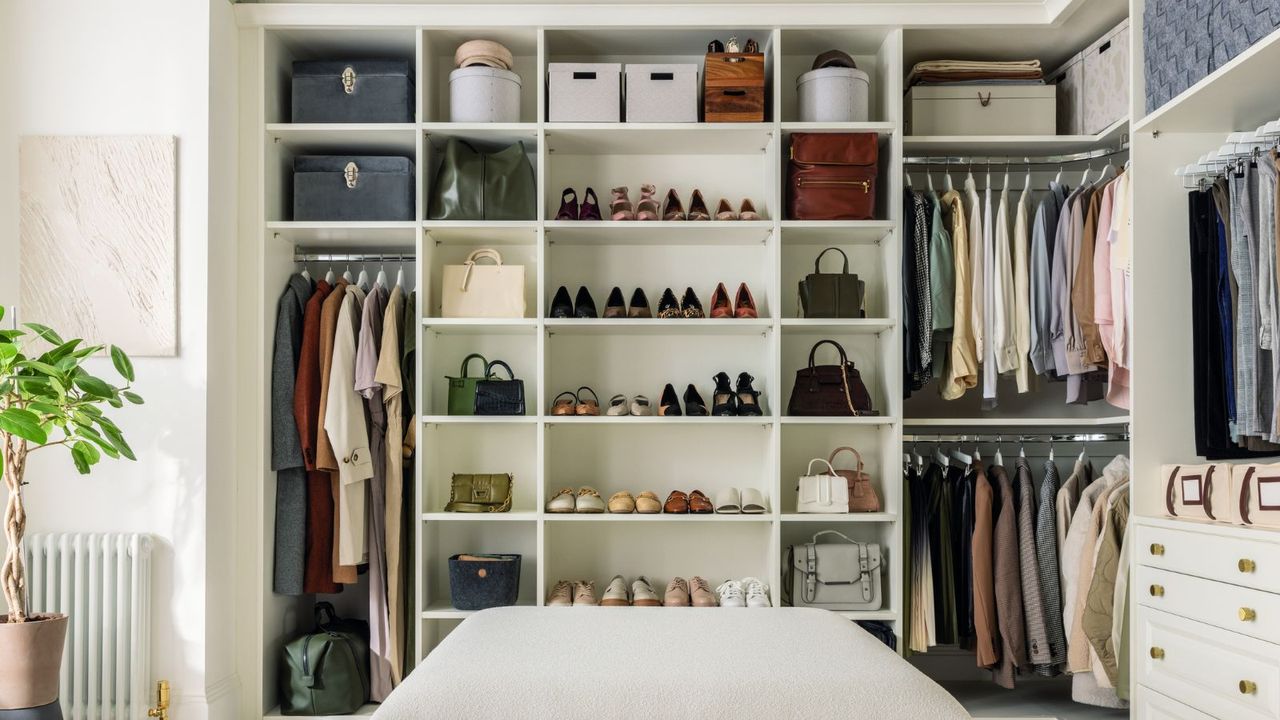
(1255, 491)
(1203, 492)
(472, 290)
(862, 494)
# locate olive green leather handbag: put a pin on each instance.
(474, 185)
(462, 390)
(479, 493)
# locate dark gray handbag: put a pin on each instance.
(832, 295)
(834, 576)
(495, 396)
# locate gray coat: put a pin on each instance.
(286, 444)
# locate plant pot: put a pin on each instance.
(30, 660)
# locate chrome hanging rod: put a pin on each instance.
(1016, 160)
(305, 257)
(997, 438)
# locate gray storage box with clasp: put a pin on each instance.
(347, 188)
(981, 110)
(357, 91)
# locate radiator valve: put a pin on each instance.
(161, 710)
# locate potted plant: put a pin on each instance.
(46, 401)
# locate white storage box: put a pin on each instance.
(584, 92)
(1106, 80)
(981, 110)
(833, 94)
(662, 93)
(484, 94)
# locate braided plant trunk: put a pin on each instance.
(13, 573)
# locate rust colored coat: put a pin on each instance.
(318, 576)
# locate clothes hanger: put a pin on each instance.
(1022, 449)
(346, 274)
(939, 456)
(928, 178)
(381, 281)
(328, 275)
(306, 273)
(400, 276)
(988, 173)
(1057, 179)
(362, 281)
(977, 450)
(999, 459)
(1084, 453)
(947, 176)
(906, 177)
(1026, 185)
(1005, 186)
(917, 457)
(1084, 179)
(1050, 448)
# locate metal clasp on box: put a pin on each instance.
(349, 80)
(352, 175)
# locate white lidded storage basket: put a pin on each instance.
(584, 92)
(484, 94)
(982, 110)
(662, 93)
(833, 94)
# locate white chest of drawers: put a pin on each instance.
(1206, 621)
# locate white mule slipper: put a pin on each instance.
(728, 502)
(753, 502)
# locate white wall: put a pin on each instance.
(143, 67)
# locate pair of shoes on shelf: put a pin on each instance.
(673, 209)
(689, 306)
(567, 593)
(574, 403)
(743, 305)
(582, 307)
(695, 503)
(669, 404)
(646, 503)
(743, 401)
(747, 501)
(637, 308)
(571, 210)
(748, 592)
(638, 406)
(715, 46)
(620, 207)
(696, 592)
(639, 594)
(586, 500)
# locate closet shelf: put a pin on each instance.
(391, 236)
(504, 133)
(481, 326)
(347, 138)
(479, 419)
(658, 232)
(657, 518)
(888, 615)
(859, 420)
(479, 233)
(518, 516)
(655, 420)
(1017, 422)
(1014, 145)
(658, 326)
(836, 232)
(883, 129)
(843, 326)
(659, 138)
(876, 517)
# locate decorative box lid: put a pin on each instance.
(362, 68)
(483, 71)
(365, 163)
(832, 72)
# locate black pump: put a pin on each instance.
(748, 397)
(583, 305)
(615, 307)
(668, 307)
(693, 402)
(561, 305)
(723, 399)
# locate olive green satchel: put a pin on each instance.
(476, 185)
(479, 493)
(462, 390)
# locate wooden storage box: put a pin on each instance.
(981, 110)
(733, 87)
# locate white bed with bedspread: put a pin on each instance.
(659, 663)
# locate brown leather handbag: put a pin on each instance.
(829, 390)
(832, 176)
(862, 495)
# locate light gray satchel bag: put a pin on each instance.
(833, 576)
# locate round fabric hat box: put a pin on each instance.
(833, 94)
(484, 94)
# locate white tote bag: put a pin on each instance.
(472, 290)
(822, 493)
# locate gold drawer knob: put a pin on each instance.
(1248, 614)
(1246, 565)
(1157, 653)
(1157, 591)
(1157, 549)
(1248, 687)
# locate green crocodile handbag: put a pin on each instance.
(462, 390)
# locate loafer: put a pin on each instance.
(561, 595)
(562, 502)
(584, 593)
(699, 503)
(643, 594)
(622, 502)
(753, 502)
(731, 594)
(729, 502)
(757, 592)
(616, 594)
(677, 594)
(677, 503)
(699, 593)
(589, 501)
(647, 503)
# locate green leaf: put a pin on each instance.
(123, 364)
(92, 436)
(46, 333)
(115, 402)
(132, 397)
(113, 434)
(23, 423)
(94, 386)
(61, 351)
(45, 408)
(8, 351)
(85, 456)
(82, 463)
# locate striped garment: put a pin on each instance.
(1050, 586)
(1037, 635)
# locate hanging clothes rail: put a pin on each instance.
(1237, 148)
(1020, 160)
(999, 438)
(306, 257)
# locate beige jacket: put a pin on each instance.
(388, 375)
(962, 368)
(348, 434)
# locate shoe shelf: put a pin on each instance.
(658, 326)
(836, 232)
(658, 517)
(519, 516)
(588, 420)
(839, 519)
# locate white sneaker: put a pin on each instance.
(757, 593)
(730, 593)
(616, 594)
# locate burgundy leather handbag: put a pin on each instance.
(832, 176)
(829, 390)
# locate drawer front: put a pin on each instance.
(734, 104)
(734, 70)
(1248, 612)
(1151, 705)
(1215, 671)
(1239, 561)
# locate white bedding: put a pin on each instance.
(657, 663)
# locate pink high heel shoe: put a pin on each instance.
(647, 208)
(620, 205)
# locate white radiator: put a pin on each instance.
(103, 582)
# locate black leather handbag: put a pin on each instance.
(832, 295)
(829, 390)
(474, 185)
(495, 396)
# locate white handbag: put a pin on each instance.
(822, 493)
(472, 290)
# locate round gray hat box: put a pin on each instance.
(833, 94)
(484, 94)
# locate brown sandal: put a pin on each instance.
(566, 403)
(587, 407)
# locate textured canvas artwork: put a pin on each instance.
(98, 239)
